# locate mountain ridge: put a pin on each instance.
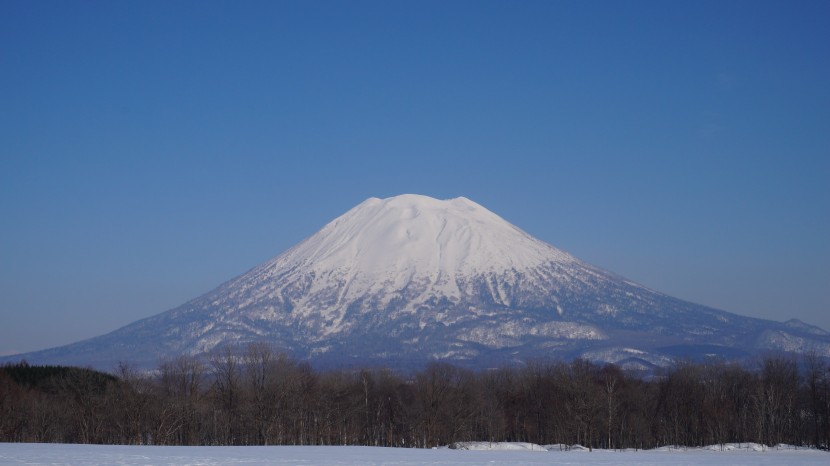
(409, 278)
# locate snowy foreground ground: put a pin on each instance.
(476, 454)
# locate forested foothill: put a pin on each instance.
(255, 396)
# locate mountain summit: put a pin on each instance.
(408, 279)
(399, 254)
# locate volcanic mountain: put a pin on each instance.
(408, 279)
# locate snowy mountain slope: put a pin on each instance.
(402, 280)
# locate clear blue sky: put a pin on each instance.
(151, 150)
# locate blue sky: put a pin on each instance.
(151, 150)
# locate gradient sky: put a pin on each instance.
(149, 151)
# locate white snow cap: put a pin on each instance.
(413, 235)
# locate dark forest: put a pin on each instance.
(255, 396)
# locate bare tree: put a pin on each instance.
(611, 381)
(226, 373)
(780, 384)
(180, 385)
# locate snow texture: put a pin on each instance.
(506, 454)
(410, 278)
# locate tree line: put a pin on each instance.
(255, 396)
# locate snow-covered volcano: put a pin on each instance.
(403, 280)
(386, 244)
(405, 252)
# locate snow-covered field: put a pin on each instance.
(476, 454)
